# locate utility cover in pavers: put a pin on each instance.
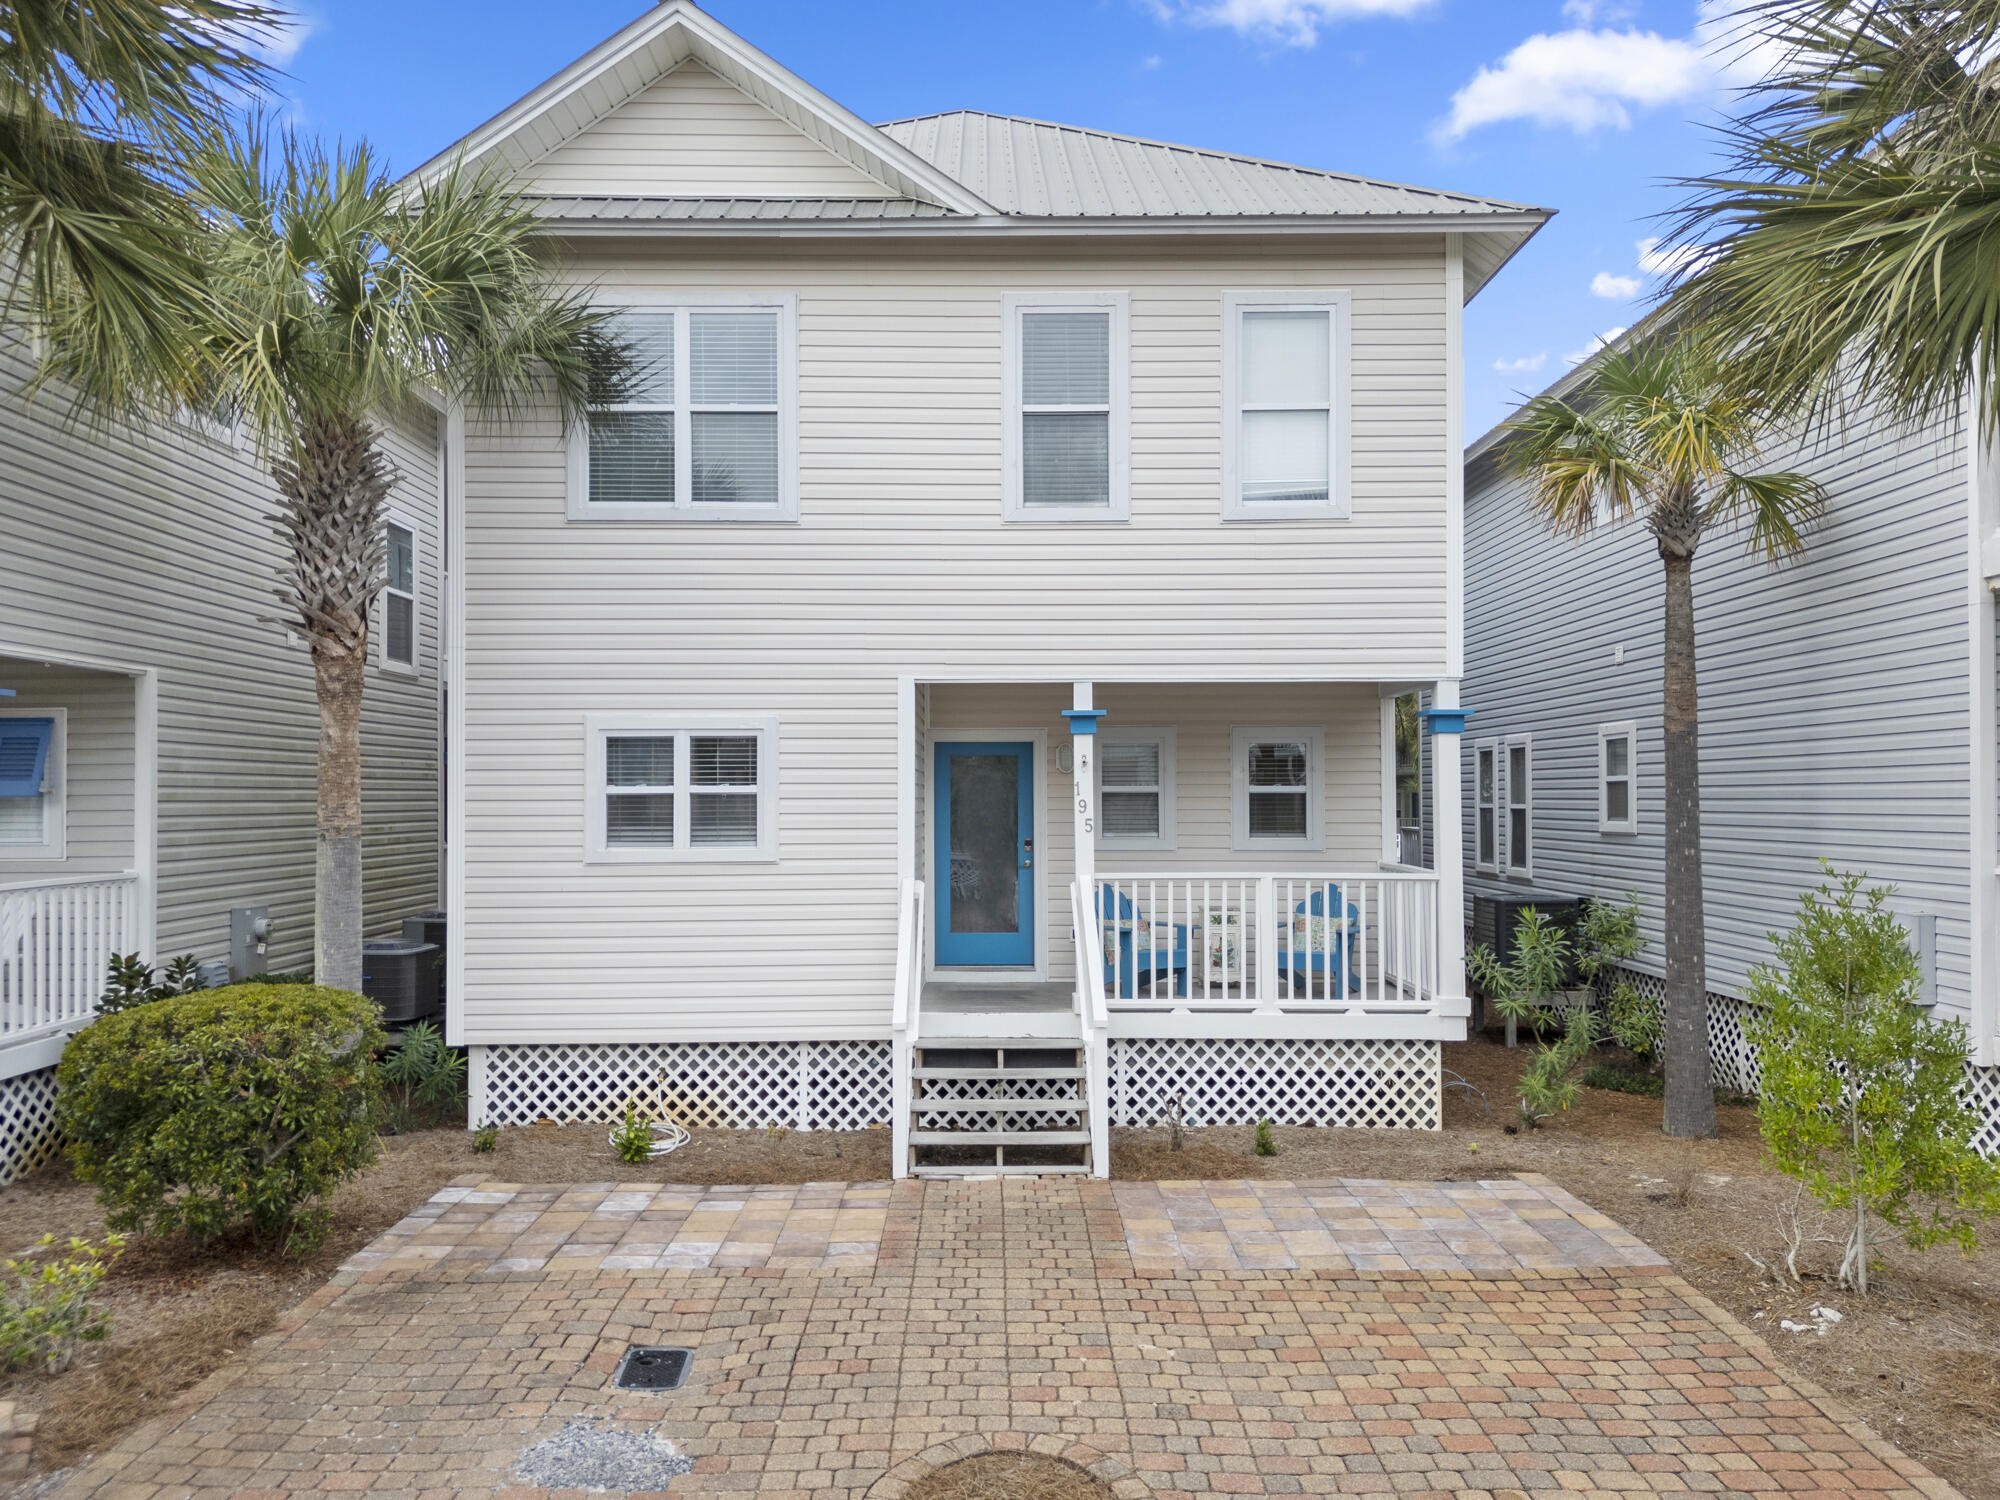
(650, 1367)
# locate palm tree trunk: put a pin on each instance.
(1690, 1095)
(339, 678)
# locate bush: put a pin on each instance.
(632, 1141)
(45, 1309)
(1261, 1141)
(131, 982)
(229, 1106)
(1861, 1090)
(1545, 1086)
(420, 1073)
(1622, 1080)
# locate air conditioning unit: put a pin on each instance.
(428, 927)
(1494, 918)
(402, 978)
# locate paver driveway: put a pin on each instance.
(1237, 1338)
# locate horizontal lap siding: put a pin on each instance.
(96, 774)
(1834, 696)
(899, 566)
(155, 550)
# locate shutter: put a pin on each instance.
(24, 755)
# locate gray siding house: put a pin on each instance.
(158, 731)
(1847, 714)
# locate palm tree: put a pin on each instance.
(96, 103)
(1851, 247)
(330, 296)
(1660, 434)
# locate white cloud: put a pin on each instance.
(1527, 364)
(281, 44)
(1294, 23)
(1578, 356)
(1586, 80)
(1617, 288)
(1670, 260)
(1148, 64)
(1589, 12)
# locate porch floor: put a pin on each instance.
(996, 999)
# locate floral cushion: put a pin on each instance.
(1311, 934)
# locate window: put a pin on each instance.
(1519, 784)
(32, 752)
(681, 788)
(1135, 788)
(705, 423)
(1066, 376)
(1276, 782)
(1485, 854)
(1285, 408)
(399, 598)
(1617, 778)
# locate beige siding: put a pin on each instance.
(901, 566)
(694, 135)
(155, 551)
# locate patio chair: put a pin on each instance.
(1130, 951)
(1310, 946)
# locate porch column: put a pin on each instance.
(1083, 771)
(1447, 724)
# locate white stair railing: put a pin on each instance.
(56, 942)
(907, 1018)
(1094, 1018)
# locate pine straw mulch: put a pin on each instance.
(1919, 1359)
(1008, 1476)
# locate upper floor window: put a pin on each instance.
(399, 598)
(1135, 788)
(1066, 375)
(705, 425)
(1276, 782)
(1284, 405)
(1617, 778)
(680, 787)
(31, 783)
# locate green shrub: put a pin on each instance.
(131, 982)
(245, 1104)
(1522, 988)
(1546, 1087)
(1862, 1101)
(1622, 1080)
(45, 1309)
(486, 1139)
(1261, 1142)
(420, 1073)
(632, 1141)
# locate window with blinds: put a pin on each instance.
(1486, 850)
(1067, 374)
(399, 598)
(1617, 778)
(1277, 778)
(1285, 412)
(1520, 807)
(1135, 788)
(682, 791)
(702, 424)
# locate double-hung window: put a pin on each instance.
(1520, 800)
(1486, 814)
(703, 424)
(1285, 422)
(1276, 783)
(1135, 788)
(1066, 378)
(31, 783)
(679, 788)
(1617, 778)
(399, 598)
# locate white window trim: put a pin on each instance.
(1629, 732)
(1504, 787)
(597, 850)
(1340, 430)
(1481, 749)
(1012, 306)
(580, 507)
(413, 667)
(1128, 735)
(1241, 737)
(55, 789)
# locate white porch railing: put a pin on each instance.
(907, 1017)
(1094, 1019)
(1341, 944)
(56, 942)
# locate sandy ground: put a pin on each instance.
(1919, 1359)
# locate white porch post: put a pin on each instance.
(1083, 719)
(1447, 724)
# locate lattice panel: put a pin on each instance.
(28, 1136)
(1062, 1091)
(1732, 1061)
(1239, 1081)
(704, 1085)
(1982, 1093)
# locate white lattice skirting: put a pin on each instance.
(1288, 1082)
(28, 1136)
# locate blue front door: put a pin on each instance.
(985, 839)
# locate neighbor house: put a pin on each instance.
(158, 730)
(953, 687)
(1848, 713)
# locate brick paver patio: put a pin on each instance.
(1483, 1339)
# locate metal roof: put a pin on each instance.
(1032, 168)
(665, 210)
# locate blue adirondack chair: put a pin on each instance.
(1137, 956)
(1312, 960)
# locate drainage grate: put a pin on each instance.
(648, 1367)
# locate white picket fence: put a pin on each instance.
(56, 942)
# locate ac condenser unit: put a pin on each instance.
(401, 977)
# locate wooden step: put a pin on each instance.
(996, 1106)
(972, 1073)
(1002, 1044)
(999, 1137)
(1071, 1169)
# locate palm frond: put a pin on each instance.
(1777, 509)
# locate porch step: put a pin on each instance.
(998, 1044)
(971, 1073)
(1071, 1170)
(1000, 1137)
(995, 1106)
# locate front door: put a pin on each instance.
(985, 840)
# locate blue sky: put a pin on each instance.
(1584, 106)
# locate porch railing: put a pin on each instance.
(56, 941)
(907, 1016)
(1353, 943)
(1094, 1022)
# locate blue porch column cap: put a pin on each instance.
(1446, 720)
(1083, 720)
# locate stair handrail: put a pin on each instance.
(1095, 1017)
(905, 1017)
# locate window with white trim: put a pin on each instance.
(1485, 814)
(1617, 778)
(704, 425)
(665, 788)
(33, 749)
(1276, 785)
(399, 597)
(1285, 409)
(1066, 378)
(1518, 784)
(1135, 788)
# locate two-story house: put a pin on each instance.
(953, 687)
